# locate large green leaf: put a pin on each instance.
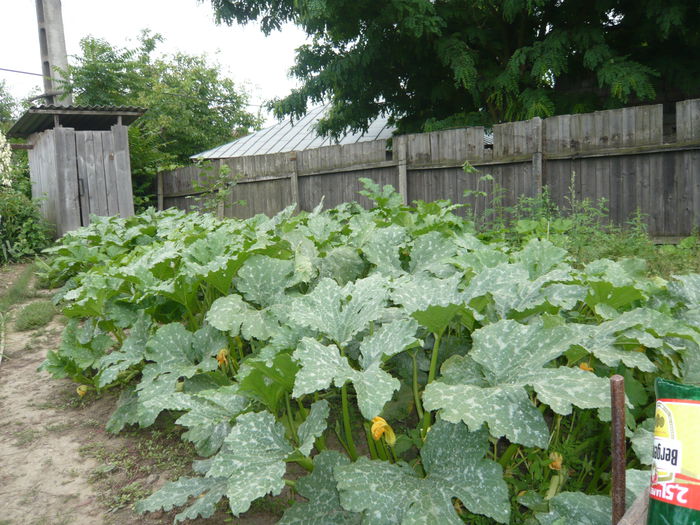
(511, 357)
(568, 508)
(207, 492)
(174, 353)
(453, 459)
(267, 381)
(209, 415)
(214, 259)
(322, 365)
(382, 249)
(252, 460)
(342, 264)
(419, 292)
(323, 506)
(512, 291)
(131, 353)
(85, 352)
(262, 279)
(431, 301)
(232, 314)
(686, 288)
(390, 339)
(432, 253)
(643, 441)
(314, 426)
(615, 341)
(328, 310)
(126, 412)
(540, 257)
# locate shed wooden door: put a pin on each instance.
(104, 173)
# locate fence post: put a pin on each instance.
(537, 157)
(159, 190)
(402, 156)
(294, 180)
(220, 205)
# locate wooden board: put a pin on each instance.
(122, 171)
(68, 203)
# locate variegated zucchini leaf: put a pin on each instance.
(323, 365)
(323, 506)
(511, 357)
(174, 353)
(341, 312)
(454, 462)
(207, 492)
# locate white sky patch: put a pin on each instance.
(251, 59)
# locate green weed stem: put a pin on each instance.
(346, 422)
(290, 420)
(427, 419)
(370, 442)
(416, 393)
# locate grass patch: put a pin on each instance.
(18, 290)
(25, 437)
(35, 315)
(127, 471)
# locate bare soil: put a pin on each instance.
(57, 463)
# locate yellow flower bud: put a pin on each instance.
(557, 461)
(82, 390)
(586, 367)
(222, 356)
(381, 428)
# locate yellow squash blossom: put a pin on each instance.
(222, 356)
(586, 367)
(82, 390)
(557, 460)
(381, 428)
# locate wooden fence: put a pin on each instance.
(622, 155)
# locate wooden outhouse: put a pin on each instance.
(79, 161)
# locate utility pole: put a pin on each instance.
(52, 43)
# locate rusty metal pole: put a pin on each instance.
(619, 446)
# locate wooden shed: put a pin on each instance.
(79, 161)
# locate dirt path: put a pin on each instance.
(43, 475)
(59, 466)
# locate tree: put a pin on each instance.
(438, 63)
(8, 106)
(191, 105)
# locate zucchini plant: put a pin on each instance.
(415, 372)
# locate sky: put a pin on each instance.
(251, 59)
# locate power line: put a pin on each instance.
(181, 95)
(21, 72)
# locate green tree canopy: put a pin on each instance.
(8, 107)
(191, 105)
(438, 63)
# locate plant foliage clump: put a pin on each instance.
(23, 231)
(416, 372)
(447, 63)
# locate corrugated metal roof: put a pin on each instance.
(291, 135)
(40, 118)
(299, 135)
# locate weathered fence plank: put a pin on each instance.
(67, 180)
